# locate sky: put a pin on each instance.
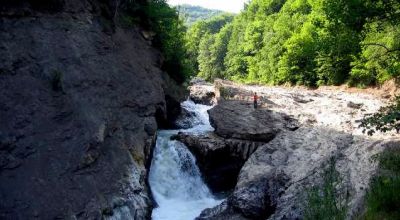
(225, 5)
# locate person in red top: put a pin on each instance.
(255, 98)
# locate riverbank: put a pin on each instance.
(273, 180)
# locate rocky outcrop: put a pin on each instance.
(274, 181)
(185, 119)
(238, 119)
(80, 98)
(202, 92)
(266, 180)
(239, 131)
(219, 159)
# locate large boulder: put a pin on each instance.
(219, 159)
(202, 92)
(239, 120)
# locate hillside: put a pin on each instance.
(302, 42)
(192, 14)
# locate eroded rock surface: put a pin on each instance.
(79, 102)
(239, 131)
(202, 92)
(219, 159)
(273, 181)
(238, 119)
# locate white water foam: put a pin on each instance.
(175, 180)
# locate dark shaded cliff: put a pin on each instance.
(79, 98)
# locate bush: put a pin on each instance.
(327, 201)
(170, 35)
(159, 17)
(360, 76)
(383, 198)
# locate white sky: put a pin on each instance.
(224, 5)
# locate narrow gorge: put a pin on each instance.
(99, 120)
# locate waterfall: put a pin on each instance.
(175, 179)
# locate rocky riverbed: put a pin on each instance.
(273, 154)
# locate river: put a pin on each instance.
(175, 179)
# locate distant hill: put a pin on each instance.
(192, 13)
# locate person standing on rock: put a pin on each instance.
(255, 98)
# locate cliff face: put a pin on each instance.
(78, 106)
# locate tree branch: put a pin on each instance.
(388, 50)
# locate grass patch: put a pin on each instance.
(327, 201)
(390, 161)
(383, 198)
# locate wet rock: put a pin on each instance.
(174, 95)
(219, 159)
(186, 119)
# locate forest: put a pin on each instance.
(275, 42)
(300, 42)
(192, 14)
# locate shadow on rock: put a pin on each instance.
(273, 181)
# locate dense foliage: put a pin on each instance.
(164, 21)
(386, 119)
(192, 14)
(206, 42)
(383, 198)
(301, 42)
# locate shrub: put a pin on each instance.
(159, 17)
(383, 198)
(327, 201)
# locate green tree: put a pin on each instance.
(380, 55)
(321, 42)
(170, 33)
(219, 50)
(198, 31)
(205, 57)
